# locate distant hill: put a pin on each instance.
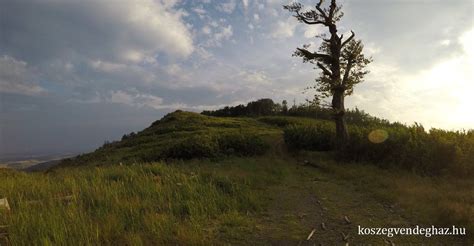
(34, 163)
(42, 166)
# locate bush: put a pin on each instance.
(207, 146)
(413, 148)
(319, 136)
(279, 121)
(199, 146)
(242, 144)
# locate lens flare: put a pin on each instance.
(378, 136)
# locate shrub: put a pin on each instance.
(279, 121)
(319, 136)
(242, 144)
(206, 146)
(409, 147)
(198, 146)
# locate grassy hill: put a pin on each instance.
(190, 179)
(185, 135)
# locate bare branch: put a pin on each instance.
(325, 70)
(349, 39)
(310, 55)
(332, 10)
(321, 11)
(302, 18)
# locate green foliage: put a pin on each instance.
(270, 113)
(318, 136)
(264, 106)
(146, 204)
(207, 146)
(184, 135)
(199, 146)
(409, 147)
(242, 144)
(280, 121)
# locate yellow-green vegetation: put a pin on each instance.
(430, 152)
(185, 135)
(442, 201)
(191, 179)
(180, 203)
(244, 201)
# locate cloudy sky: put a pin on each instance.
(76, 73)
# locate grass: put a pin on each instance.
(441, 201)
(244, 188)
(250, 201)
(196, 203)
(184, 135)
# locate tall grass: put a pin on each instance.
(441, 201)
(132, 205)
(411, 147)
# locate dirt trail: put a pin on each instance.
(310, 197)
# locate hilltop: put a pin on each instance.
(194, 179)
(185, 135)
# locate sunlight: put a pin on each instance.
(378, 136)
(446, 89)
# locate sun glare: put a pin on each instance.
(445, 90)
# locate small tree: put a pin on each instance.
(284, 107)
(341, 62)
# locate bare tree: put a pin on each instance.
(341, 62)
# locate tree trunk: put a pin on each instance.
(341, 129)
(338, 89)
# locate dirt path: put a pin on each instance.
(312, 199)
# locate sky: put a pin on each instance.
(74, 74)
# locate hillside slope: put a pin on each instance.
(243, 188)
(185, 135)
(269, 200)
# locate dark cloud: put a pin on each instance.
(76, 73)
(125, 31)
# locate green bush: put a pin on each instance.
(207, 146)
(279, 121)
(409, 147)
(242, 144)
(198, 146)
(318, 136)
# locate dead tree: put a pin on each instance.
(340, 60)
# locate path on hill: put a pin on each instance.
(312, 199)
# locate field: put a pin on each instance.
(250, 190)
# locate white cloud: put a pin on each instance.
(203, 53)
(135, 99)
(15, 78)
(200, 11)
(227, 7)
(284, 29)
(255, 77)
(312, 30)
(107, 67)
(206, 30)
(224, 33)
(245, 3)
(256, 17)
(445, 42)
